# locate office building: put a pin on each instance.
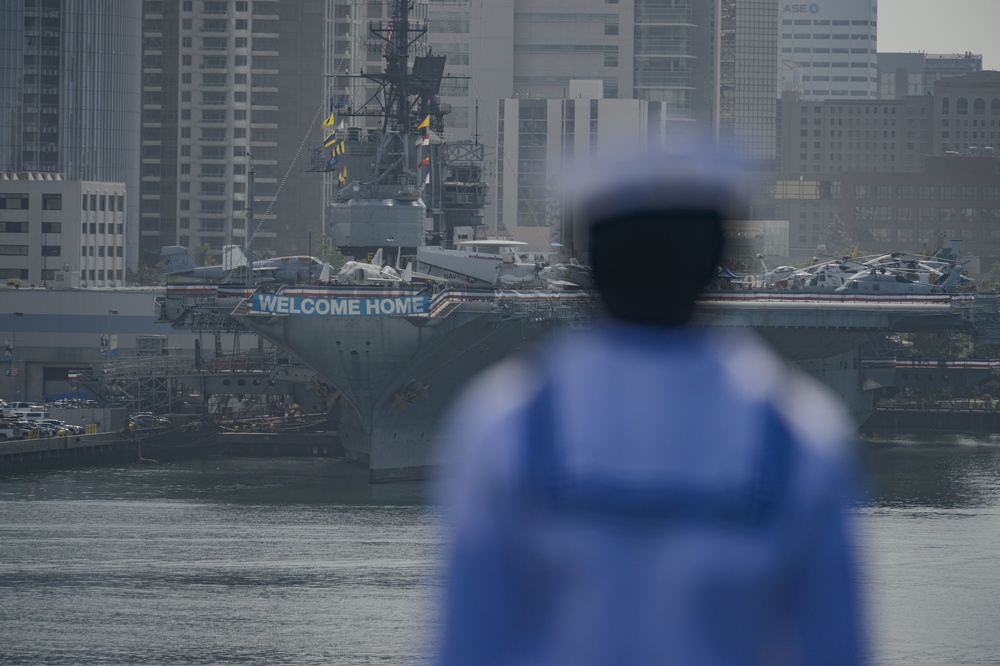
(967, 114)
(834, 42)
(748, 79)
(69, 102)
(953, 197)
(541, 141)
(901, 74)
(709, 69)
(838, 135)
(61, 233)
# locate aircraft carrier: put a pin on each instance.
(398, 356)
(398, 353)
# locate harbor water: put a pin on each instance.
(299, 561)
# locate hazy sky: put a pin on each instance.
(941, 26)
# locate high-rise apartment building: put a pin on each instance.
(70, 94)
(834, 44)
(230, 86)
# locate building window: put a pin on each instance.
(51, 227)
(51, 251)
(13, 201)
(52, 202)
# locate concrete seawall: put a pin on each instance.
(977, 421)
(121, 448)
(66, 451)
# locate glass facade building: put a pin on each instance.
(748, 79)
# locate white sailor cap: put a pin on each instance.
(692, 181)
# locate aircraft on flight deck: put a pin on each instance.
(891, 281)
(373, 272)
(572, 275)
(177, 263)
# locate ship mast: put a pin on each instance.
(403, 191)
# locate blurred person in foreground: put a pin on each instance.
(651, 491)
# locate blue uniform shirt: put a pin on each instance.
(650, 496)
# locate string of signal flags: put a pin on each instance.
(338, 147)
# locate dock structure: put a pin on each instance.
(66, 451)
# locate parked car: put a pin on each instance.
(19, 408)
(18, 429)
(69, 428)
(147, 420)
(8, 431)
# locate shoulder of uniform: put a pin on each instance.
(813, 414)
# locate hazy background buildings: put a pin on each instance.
(69, 104)
(175, 102)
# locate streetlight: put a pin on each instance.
(13, 346)
(111, 346)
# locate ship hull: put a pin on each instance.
(398, 357)
(397, 375)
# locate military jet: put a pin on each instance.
(567, 276)
(179, 265)
(373, 272)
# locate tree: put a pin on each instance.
(940, 236)
(201, 254)
(329, 252)
(940, 344)
(148, 275)
(991, 281)
(836, 240)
